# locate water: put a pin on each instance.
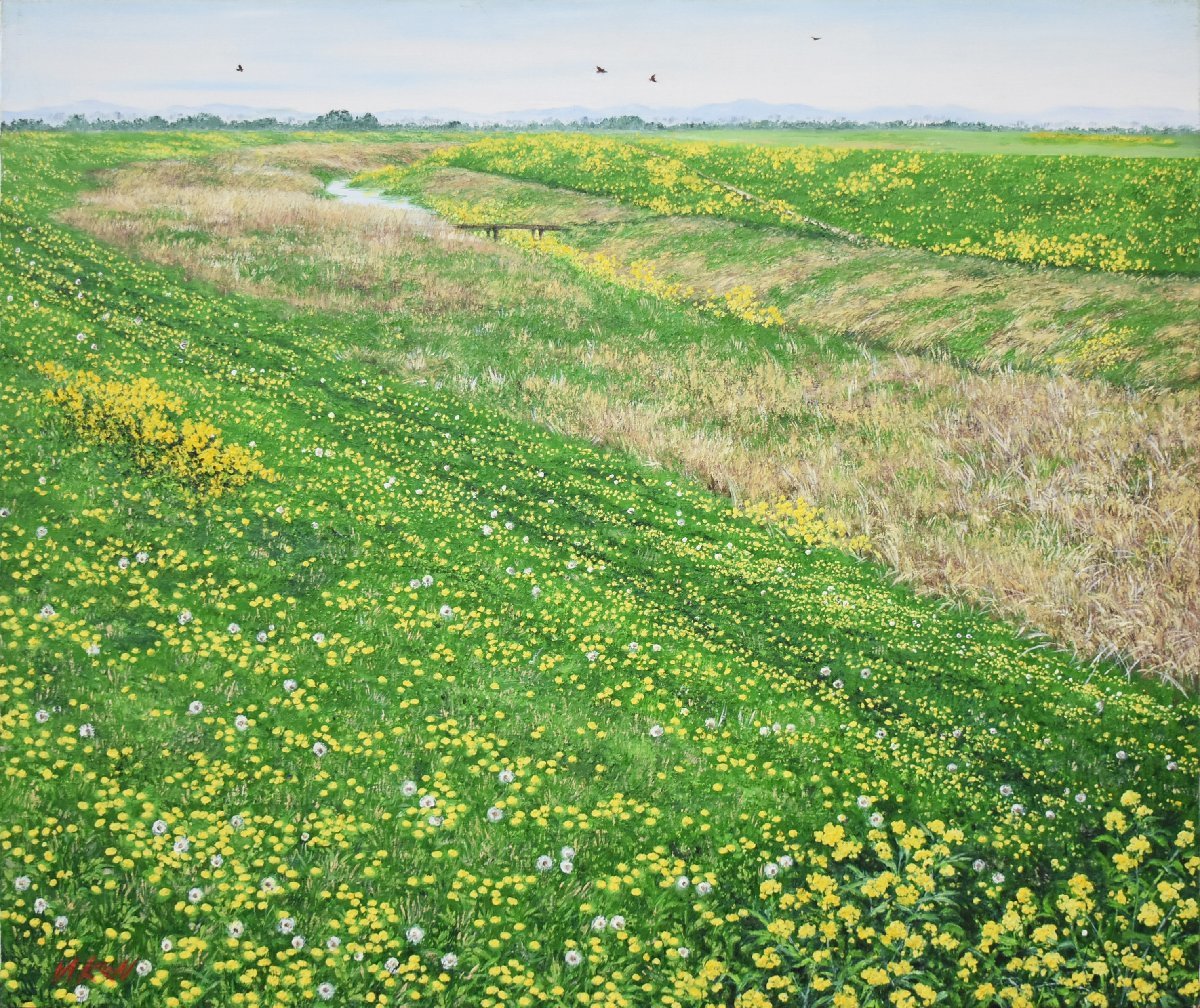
(419, 218)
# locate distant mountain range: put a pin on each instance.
(743, 110)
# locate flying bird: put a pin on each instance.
(239, 69)
(816, 38)
(654, 78)
(601, 69)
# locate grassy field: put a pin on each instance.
(324, 681)
(953, 141)
(1063, 503)
(1111, 214)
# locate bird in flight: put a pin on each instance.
(601, 69)
(239, 69)
(816, 38)
(654, 78)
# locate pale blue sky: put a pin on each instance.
(999, 56)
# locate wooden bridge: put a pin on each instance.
(493, 230)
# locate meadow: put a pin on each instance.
(328, 678)
(1020, 208)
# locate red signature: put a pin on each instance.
(93, 969)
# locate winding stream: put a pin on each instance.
(419, 218)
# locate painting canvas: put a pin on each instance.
(629, 503)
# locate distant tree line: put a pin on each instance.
(337, 119)
(343, 121)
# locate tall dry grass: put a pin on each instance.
(1067, 504)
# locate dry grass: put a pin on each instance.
(1066, 503)
(246, 223)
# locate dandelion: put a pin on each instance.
(998, 877)
(566, 867)
(241, 722)
(545, 863)
(507, 776)
(87, 730)
(682, 883)
(144, 967)
(234, 629)
(158, 827)
(572, 957)
(494, 814)
(617, 922)
(599, 923)
(195, 894)
(703, 888)
(408, 788)
(82, 993)
(449, 961)
(298, 942)
(195, 707)
(415, 935)
(392, 964)
(567, 853)
(237, 822)
(657, 731)
(290, 685)
(184, 617)
(235, 929)
(42, 716)
(269, 885)
(166, 945)
(40, 906)
(60, 923)
(864, 802)
(286, 925)
(319, 749)
(446, 612)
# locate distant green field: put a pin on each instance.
(1181, 144)
(1112, 214)
(441, 708)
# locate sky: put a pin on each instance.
(993, 56)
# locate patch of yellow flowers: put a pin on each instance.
(147, 422)
(798, 519)
(641, 275)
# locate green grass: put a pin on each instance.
(994, 314)
(676, 692)
(1111, 214)
(1181, 144)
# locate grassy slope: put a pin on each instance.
(951, 141)
(1061, 502)
(1010, 207)
(731, 624)
(979, 312)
